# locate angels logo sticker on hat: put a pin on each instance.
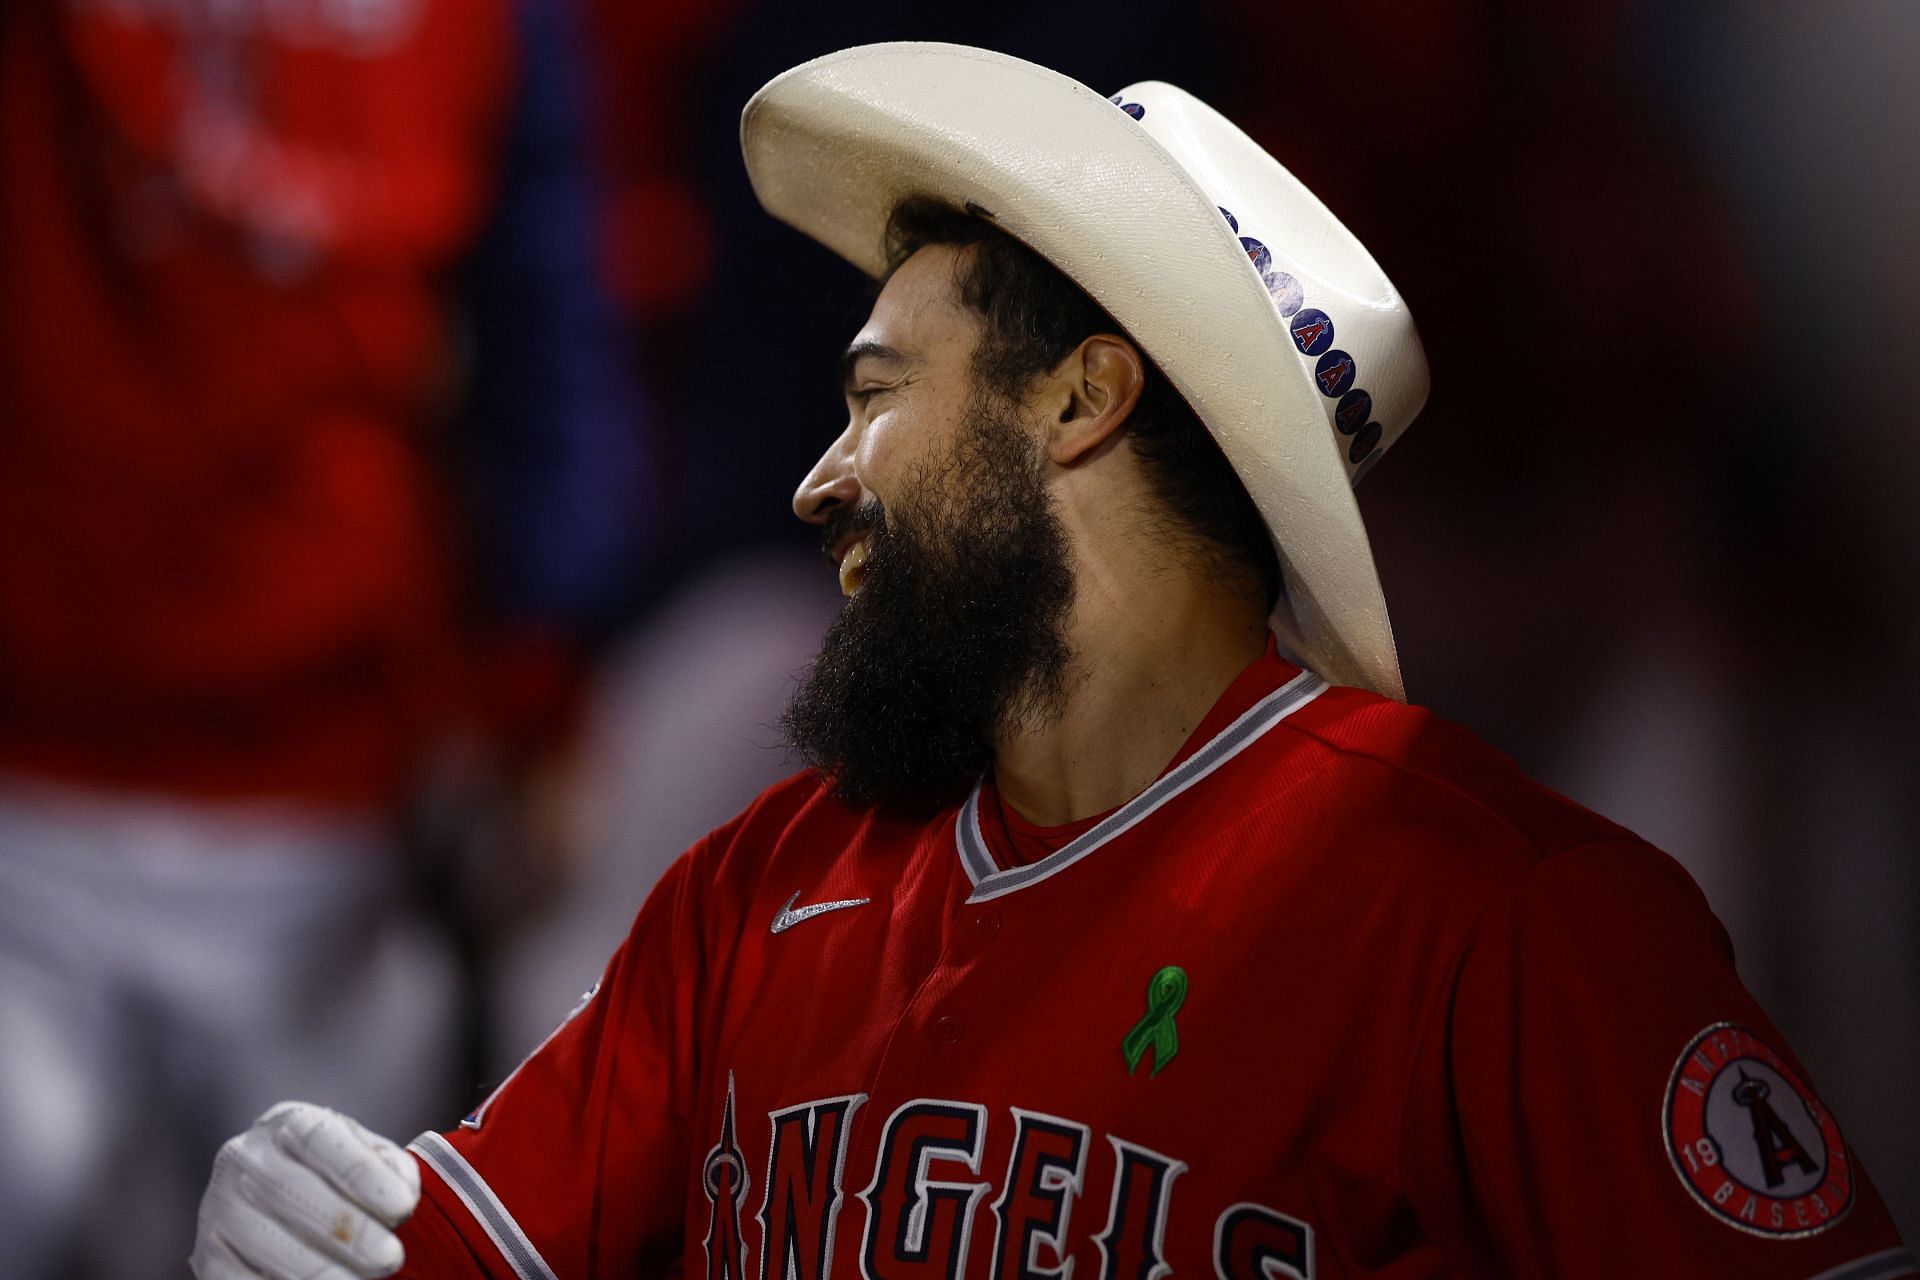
(1334, 373)
(1352, 412)
(1362, 447)
(1312, 331)
(1749, 1139)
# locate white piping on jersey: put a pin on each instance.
(990, 882)
(485, 1207)
(1875, 1266)
(478, 1115)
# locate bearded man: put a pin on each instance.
(1127, 922)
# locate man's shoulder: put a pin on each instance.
(799, 822)
(806, 794)
(1406, 820)
(1415, 780)
(779, 802)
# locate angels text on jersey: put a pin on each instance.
(921, 1201)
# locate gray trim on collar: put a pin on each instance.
(990, 882)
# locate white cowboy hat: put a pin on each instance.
(1264, 312)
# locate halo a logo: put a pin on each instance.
(1334, 373)
(1363, 443)
(1133, 109)
(1750, 1141)
(1352, 412)
(1312, 331)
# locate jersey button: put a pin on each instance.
(985, 923)
(947, 1030)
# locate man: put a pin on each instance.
(1108, 937)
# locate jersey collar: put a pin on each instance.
(990, 882)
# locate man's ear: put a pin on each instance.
(1092, 391)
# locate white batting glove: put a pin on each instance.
(305, 1194)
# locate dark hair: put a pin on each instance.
(1035, 316)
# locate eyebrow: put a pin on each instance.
(859, 351)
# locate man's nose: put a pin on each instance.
(830, 485)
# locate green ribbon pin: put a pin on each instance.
(1166, 992)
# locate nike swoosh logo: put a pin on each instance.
(788, 917)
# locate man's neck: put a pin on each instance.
(1152, 654)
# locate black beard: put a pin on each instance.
(957, 630)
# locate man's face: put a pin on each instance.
(908, 378)
(933, 503)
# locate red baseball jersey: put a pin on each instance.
(1340, 994)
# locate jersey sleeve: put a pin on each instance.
(576, 1165)
(1601, 1096)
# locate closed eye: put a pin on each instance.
(862, 395)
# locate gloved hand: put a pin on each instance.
(305, 1194)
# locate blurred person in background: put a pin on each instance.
(317, 471)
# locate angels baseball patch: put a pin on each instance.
(1749, 1139)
